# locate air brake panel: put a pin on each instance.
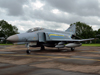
(42, 37)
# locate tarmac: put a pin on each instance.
(82, 61)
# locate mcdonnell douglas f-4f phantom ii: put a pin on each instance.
(41, 37)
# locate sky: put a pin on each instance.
(51, 14)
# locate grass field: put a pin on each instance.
(6, 44)
(90, 44)
(82, 44)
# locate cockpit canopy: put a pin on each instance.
(34, 29)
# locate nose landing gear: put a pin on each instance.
(28, 51)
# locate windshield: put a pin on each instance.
(34, 29)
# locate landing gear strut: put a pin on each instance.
(42, 48)
(28, 51)
(72, 49)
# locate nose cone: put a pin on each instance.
(13, 38)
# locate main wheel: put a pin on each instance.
(28, 51)
(42, 48)
(72, 49)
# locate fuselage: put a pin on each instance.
(34, 36)
(40, 37)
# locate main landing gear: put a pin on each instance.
(42, 48)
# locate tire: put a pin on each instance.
(28, 51)
(42, 48)
(72, 49)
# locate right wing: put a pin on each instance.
(72, 40)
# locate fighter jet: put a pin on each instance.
(41, 37)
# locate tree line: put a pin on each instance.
(83, 31)
(7, 30)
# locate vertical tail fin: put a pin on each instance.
(71, 29)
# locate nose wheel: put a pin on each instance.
(28, 51)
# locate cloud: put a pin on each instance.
(25, 25)
(79, 7)
(53, 14)
(14, 7)
(65, 12)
